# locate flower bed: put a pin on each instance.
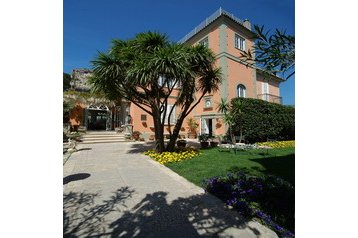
(278, 144)
(170, 157)
(268, 199)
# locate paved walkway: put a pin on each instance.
(112, 190)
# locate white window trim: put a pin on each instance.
(237, 44)
(173, 115)
(98, 107)
(203, 41)
(162, 79)
(238, 91)
(265, 91)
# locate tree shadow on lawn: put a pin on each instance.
(282, 166)
(200, 215)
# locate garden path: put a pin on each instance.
(113, 190)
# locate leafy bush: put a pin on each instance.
(170, 157)
(262, 120)
(269, 199)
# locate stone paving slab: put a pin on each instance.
(110, 190)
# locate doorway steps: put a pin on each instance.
(94, 137)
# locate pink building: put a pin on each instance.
(227, 36)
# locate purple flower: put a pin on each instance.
(289, 234)
(278, 228)
(231, 202)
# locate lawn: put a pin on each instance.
(212, 162)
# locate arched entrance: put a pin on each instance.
(98, 117)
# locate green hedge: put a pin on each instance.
(263, 120)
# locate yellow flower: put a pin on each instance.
(170, 157)
(278, 144)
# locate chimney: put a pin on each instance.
(247, 24)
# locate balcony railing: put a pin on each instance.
(270, 98)
(209, 20)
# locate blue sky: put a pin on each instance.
(90, 25)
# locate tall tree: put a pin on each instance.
(274, 52)
(236, 115)
(232, 116)
(148, 69)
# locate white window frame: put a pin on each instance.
(204, 42)
(172, 116)
(265, 91)
(162, 79)
(240, 42)
(238, 91)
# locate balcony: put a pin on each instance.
(270, 98)
(209, 20)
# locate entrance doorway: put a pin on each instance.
(98, 117)
(207, 126)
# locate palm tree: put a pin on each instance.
(232, 115)
(224, 107)
(131, 70)
(236, 111)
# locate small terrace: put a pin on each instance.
(270, 98)
(209, 20)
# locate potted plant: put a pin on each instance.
(136, 135)
(181, 143)
(193, 125)
(203, 138)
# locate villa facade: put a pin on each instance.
(227, 36)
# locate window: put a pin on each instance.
(240, 43)
(241, 91)
(204, 42)
(172, 116)
(265, 91)
(143, 117)
(162, 81)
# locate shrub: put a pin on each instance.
(269, 199)
(171, 157)
(262, 120)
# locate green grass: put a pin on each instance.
(211, 162)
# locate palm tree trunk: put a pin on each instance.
(158, 130)
(240, 134)
(232, 135)
(175, 134)
(159, 135)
